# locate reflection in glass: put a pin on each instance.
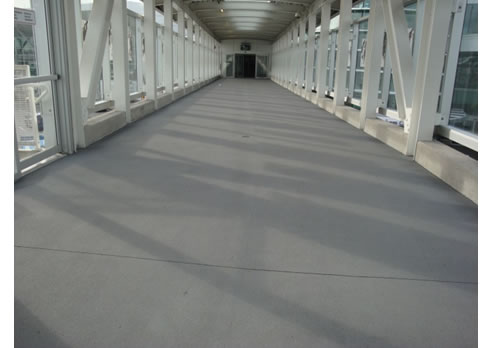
(261, 66)
(229, 65)
(464, 105)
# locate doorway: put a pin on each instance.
(245, 66)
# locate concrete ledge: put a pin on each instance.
(141, 109)
(178, 93)
(453, 167)
(101, 125)
(327, 104)
(97, 127)
(388, 133)
(349, 115)
(164, 100)
(312, 97)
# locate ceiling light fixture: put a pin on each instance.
(221, 10)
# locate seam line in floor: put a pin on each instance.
(339, 275)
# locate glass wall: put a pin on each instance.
(305, 47)
(411, 17)
(34, 102)
(133, 65)
(230, 65)
(331, 62)
(261, 66)
(458, 96)
(360, 58)
(464, 105)
(317, 32)
(159, 47)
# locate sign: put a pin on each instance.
(24, 16)
(26, 124)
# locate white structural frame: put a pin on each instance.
(76, 66)
(416, 75)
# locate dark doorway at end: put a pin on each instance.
(245, 65)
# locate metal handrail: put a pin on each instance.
(33, 79)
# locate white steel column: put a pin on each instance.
(205, 56)
(191, 28)
(106, 71)
(139, 54)
(285, 60)
(73, 58)
(300, 62)
(293, 58)
(310, 53)
(323, 49)
(208, 55)
(437, 15)
(210, 51)
(401, 56)
(282, 60)
(168, 48)
(211, 56)
(343, 38)
(78, 28)
(372, 69)
(290, 59)
(150, 56)
(199, 58)
(181, 49)
(119, 29)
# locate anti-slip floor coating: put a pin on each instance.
(242, 216)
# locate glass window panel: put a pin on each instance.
(361, 9)
(175, 59)
(359, 76)
(229, 65)
(30, 37)
(464, 105)
(132, 54)
(470, 25)
(261, 66)
(315, 58)
(34, 116)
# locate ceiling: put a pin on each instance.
(242, 19)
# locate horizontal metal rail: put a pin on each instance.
(33, 79)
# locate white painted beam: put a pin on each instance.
(310, 52)
(168, 48)
(78, 115)
(323, 49)
(119, 30)
(372, 68)
(437, 15)
(342, 54)
(150, 51)
(181, 50)
(300, 62)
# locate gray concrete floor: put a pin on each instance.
(242, 216)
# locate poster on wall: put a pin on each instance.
(26, 125)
